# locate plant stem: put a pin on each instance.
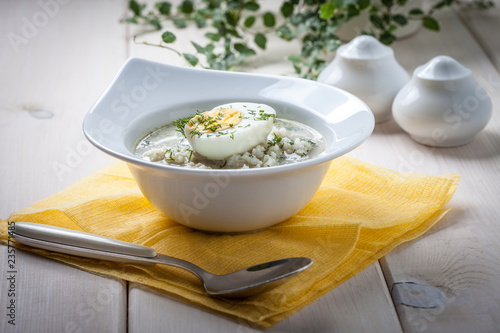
(158, 45)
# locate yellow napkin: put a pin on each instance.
(359, 214)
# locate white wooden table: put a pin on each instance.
(446, 281)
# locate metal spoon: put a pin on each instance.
(239, 283)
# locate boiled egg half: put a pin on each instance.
(229, 129)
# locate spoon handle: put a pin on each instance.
(81, 243)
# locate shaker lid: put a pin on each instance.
(442, 68)
(364, 47)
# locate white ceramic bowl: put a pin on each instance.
(146, 95)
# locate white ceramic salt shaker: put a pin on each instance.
(442, 105)
(368, 69)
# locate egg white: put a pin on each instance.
(255, 125)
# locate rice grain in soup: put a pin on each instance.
(288, 142)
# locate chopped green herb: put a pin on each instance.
(145, 143)
(181, 123)
(265, 116)
(170, 153)
(308, 140)
(277, 140)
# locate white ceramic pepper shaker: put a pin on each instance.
(442, 105)
(368, 69)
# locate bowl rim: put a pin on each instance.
(323, 157)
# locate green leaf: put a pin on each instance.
(244, 50)
(287, 9)
(155, 23)
(269, 19)
(352, 10)
(198, 47)
(232, 17)
(377, 21)
(294, 58)
(251, 6)
(297, 19)
(260, 40)
(319, 65)
(310, 37)
(221, 28)
(297, 69)
(285, 33)
(387, 18)
(331, 44)
(363, 4)
(387, 38)
(209, 48)
(327, 10)
(430, 23)
(192, 59)
(341, 3)
(135, 7)
(439, 5)
(416, 12)
(132, 20)
(234, 33)
(249, 21)
(213, 36)
(180, 23)
(402, 2)
(400, 19)
(168, 37)
(212, 4)
(186, 7)
(388, 3)
(164, 7)
(200, 23)
(307, 49)
(199, 20)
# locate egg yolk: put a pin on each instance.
(214, 120)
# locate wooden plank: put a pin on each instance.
(447, 280)
(57, 57)
(362, 304)
(52, 297)
(53, 74)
